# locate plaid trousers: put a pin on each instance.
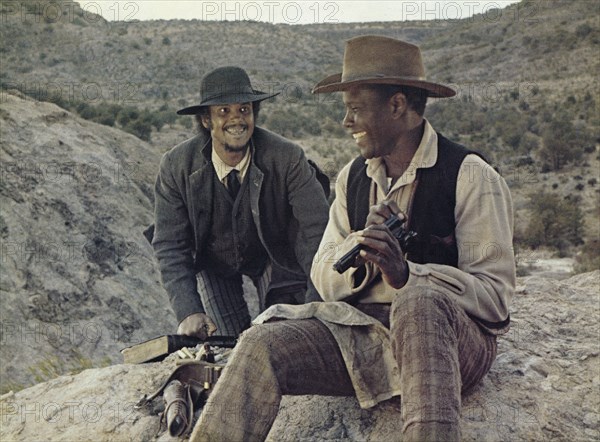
(441, 352)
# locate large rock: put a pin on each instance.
(79, 281)
(544, 385)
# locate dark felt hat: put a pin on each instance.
(371, 59)
(226, 85)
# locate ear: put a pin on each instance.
(398, 104)
(205, 121)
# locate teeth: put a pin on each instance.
(236, 130)
(358, 135)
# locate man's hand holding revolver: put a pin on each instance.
(381, 247)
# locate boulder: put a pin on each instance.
(79, 280)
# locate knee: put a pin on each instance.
(256, 339)
(265, 347)
(422, 305)
(418, 298)
(263, 344)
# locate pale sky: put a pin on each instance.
(298, 12)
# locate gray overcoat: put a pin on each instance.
(288, 206)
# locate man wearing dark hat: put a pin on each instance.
(419, 322)
(234, 200)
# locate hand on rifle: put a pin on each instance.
(197, 324)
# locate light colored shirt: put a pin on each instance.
(484, 282)
(223, 169)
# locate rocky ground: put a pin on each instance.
(545, 385)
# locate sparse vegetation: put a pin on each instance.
(51, 367)
(588, 259)
(128, 118)
(526, 98)
(554, 222)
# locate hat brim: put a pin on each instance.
(227, 99)
(334, 83)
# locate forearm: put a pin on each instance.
(332, 285)
(484, 296)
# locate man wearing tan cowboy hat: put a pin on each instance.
(420, 323)
(233, 200)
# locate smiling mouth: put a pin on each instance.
(358, 135)
(236, 130)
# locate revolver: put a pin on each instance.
(395, 225)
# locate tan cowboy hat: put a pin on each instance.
(371, 59)
(225, 85)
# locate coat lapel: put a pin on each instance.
(254, 186)
(201, 190)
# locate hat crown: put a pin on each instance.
(225, 82)
(226, 85)
(373, 56)
(374, 59)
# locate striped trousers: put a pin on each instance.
(441, 352)
(223, 299)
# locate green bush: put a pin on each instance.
(554, 222)
(583, 30)
(562, 142)
(140, 128)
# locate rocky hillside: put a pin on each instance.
(544, 385)
(545, 40)
(159, 61)
(78, 279)
(535, 52)
(525, 77)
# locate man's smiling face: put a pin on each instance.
(230, 125)
(368, 119)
